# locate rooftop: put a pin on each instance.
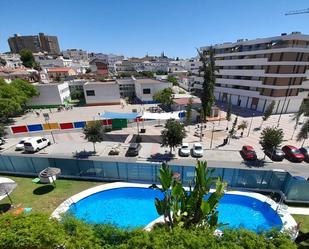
(58, 69)
(150, 81)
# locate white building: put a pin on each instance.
(102, 93)
(256, 72)
(51, 62)
(75, 54)
(12, 60)
(146, 88)
(126, 87)
(51, 94)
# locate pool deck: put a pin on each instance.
(289, 224)
(298, 210)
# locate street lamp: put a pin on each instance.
(46, 117)
(250, 124)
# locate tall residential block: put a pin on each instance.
(35, 43)
(253, 73)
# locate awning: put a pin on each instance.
(119, 115)
(163, 116)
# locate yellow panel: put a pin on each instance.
(51, 126)
(91, 122)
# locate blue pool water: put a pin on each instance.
(134, 207)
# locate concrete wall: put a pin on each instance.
(51, 94)
(106, 93)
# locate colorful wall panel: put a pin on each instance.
(19, 129)
(80, 124)
(35, 127)
(51, 126)
(64, 126)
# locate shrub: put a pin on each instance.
(37, 231)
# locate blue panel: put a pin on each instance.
(80, 124)
(35, 127)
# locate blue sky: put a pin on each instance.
(137, 27)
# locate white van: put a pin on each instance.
(35, 144)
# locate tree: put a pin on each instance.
(78, 94)
(27, 59)
(14, 97)
(173, 134)
(233, 130)
(94, 133)
(271, 138)
(303, 110)
(189, 111)
(208, 69)
(164, 96)
(173, 80)
(88, 70)
(242, 126)
(189, 209)
(228, 113)
(268, 112)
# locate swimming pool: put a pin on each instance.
(134, 207)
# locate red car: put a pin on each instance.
(292, 153)
(248, 152)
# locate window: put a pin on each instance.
(146, 91)
(90, 93)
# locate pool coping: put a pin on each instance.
(288, 223)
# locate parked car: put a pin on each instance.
(248, 152)
(305, 152)
(134, 149)
(197, 150)
(275, 154)
(35, 144)
(292, 153)
(184, 150)
(20, 145)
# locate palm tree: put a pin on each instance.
(303, 110)
(268, 112)
(243, 125)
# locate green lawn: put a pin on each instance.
(43, 197)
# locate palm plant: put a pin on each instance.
(189, 208)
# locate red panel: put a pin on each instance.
(18, 129)
(64, 126)
(105, 122)
(109, 122)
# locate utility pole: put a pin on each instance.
(46, 117)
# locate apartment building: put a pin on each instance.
(253, 73)
(35, 43)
